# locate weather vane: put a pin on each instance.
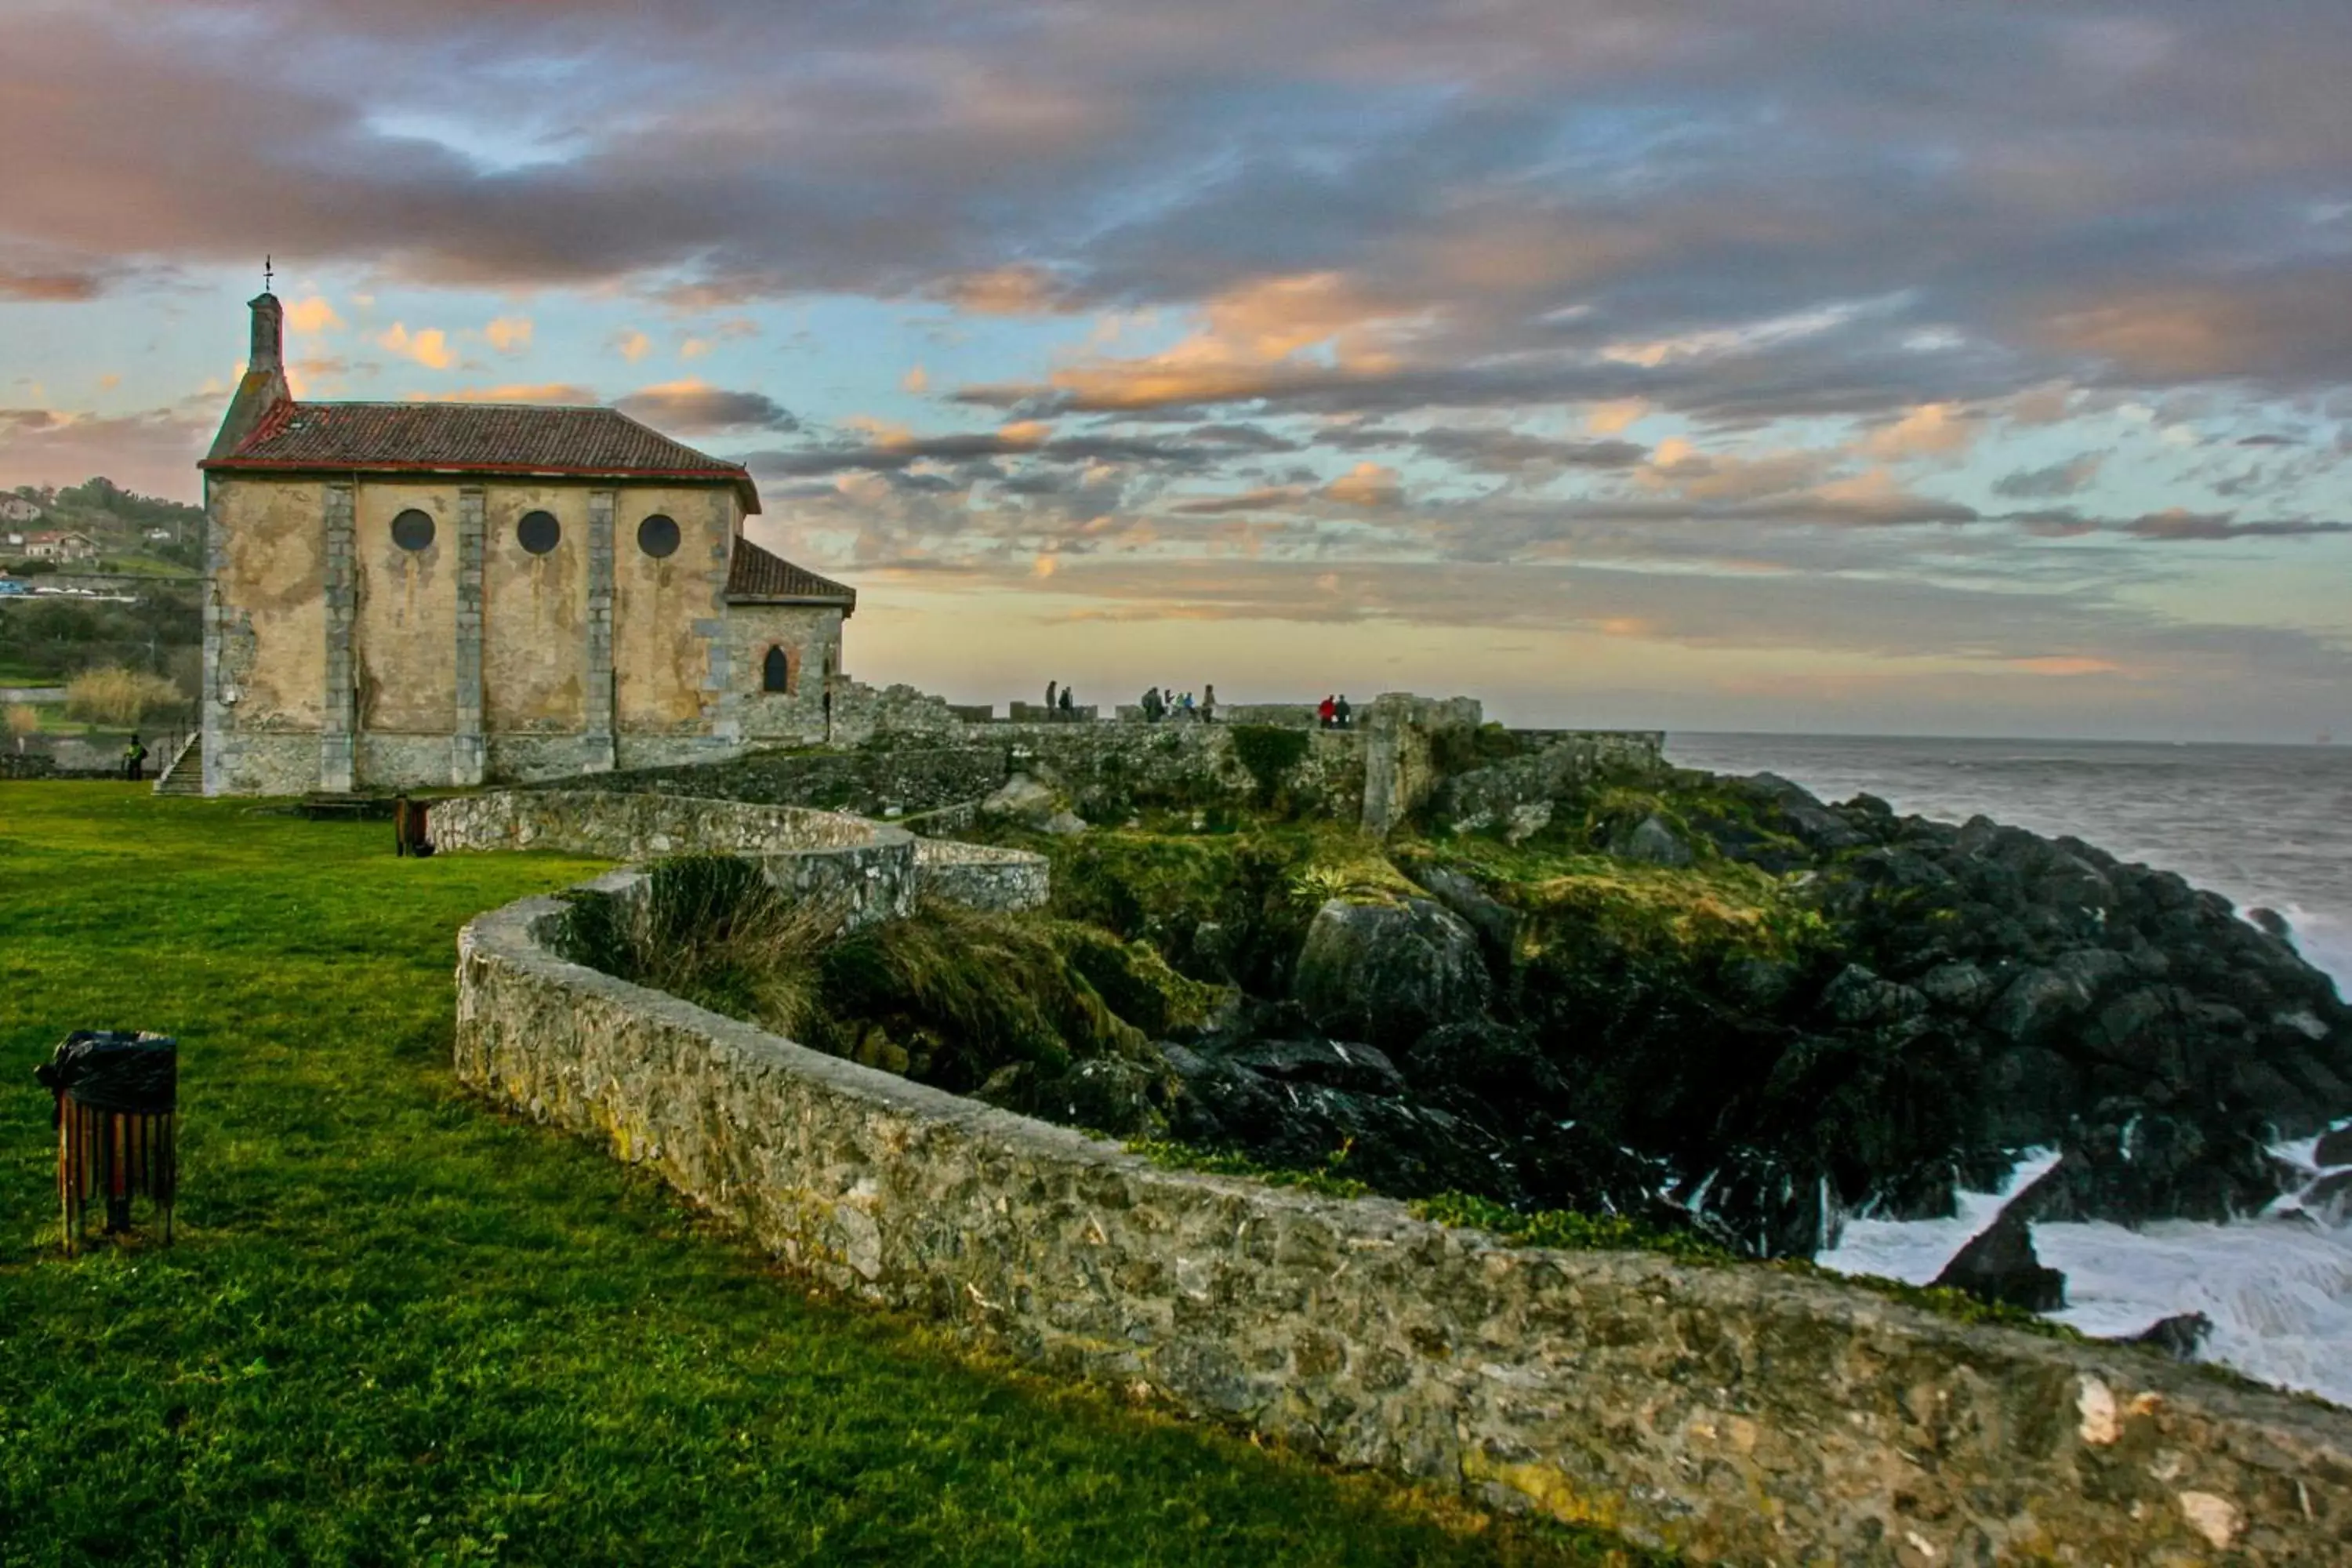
(268, 272)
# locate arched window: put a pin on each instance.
(780, 672)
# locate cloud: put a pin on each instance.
(1016, 290)
(1929, 430)
(1614, 418)
(509, 334)
(916, 380)
(560, 393)
(1491, 449)
(2062, 479)
(313, 314)
(50, 288)
(632, 345)
(1366, 484)
(2179, 523)
(693, 407)
(429, 348)
(2290, 326)
(153, 453)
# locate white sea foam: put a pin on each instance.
(2277, 1288)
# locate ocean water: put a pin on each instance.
(2264, 826)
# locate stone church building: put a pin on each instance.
(406, 594)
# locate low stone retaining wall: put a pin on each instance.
(1738, 1414)
(870, 870)
(982, 875)
(619, 826)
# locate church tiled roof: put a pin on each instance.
(755, 575)
(474, 438)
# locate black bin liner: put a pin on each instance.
(114, 1069)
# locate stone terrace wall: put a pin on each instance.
(1107, 767)
(982, 875)
(871, 870)
(917, 776)
(1739, 1413)
(636, 827)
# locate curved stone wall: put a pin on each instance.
(982, 875)
(874, 870)
(639, 827)
(1738, 1414)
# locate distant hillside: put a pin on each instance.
(50, 638)
(119, 520)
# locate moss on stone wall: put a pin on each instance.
(1268, 751)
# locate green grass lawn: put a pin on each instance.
(398, 1328)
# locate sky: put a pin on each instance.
(1929, 366)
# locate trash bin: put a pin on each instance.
(117, 1110)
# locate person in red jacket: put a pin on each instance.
(1327, 712)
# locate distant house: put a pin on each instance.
(17, 509)
(60, 546)
(159, 533)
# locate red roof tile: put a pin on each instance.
(473, 437)
(754, 573)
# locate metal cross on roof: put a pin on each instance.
(268, 272)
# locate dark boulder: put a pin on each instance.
(2030, 1095)
(2335, 1148)
(2131, 1164)
(1503, 1068)
(1389, 973)
(1959, 988)
(2036, 1003)
(2182, 1337)
(1859, 998)
(1653, 843)
(2000, 1265)
(1804, 817)
(1764, 1205)
(1497, 923)
(1332, 1063)
(2270, 920)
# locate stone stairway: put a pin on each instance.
(185, 773)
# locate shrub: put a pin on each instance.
(23, 719)
(113, 695)
(712, 929)
(1268, 751)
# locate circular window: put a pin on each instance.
(412, 529)
(538, 532)
(657, 536)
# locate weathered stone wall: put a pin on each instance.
(861, 711)
(873, 870)
(917, 775)
(1401, 734)
(1738, 1414)
(627, 827)
(1489, 796)
(982, 875)
(1378, 773)
(809, 637)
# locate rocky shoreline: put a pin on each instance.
(1954, 994)
(1708, 1003)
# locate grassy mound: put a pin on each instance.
(1027, 1010)
(398, 1329)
